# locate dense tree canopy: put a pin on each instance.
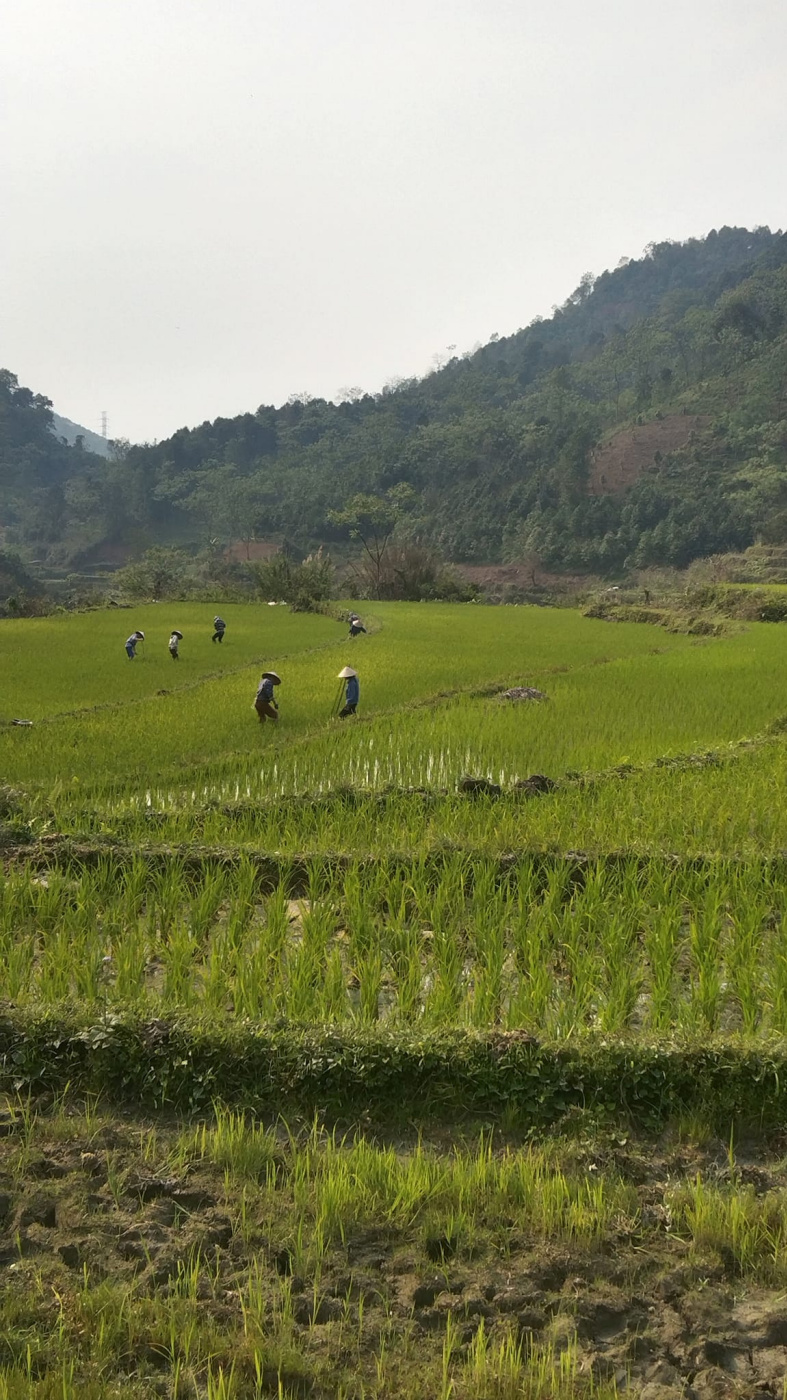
(495, 452)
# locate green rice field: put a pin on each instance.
(440, 1051)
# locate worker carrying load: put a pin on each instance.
(264, 703)
(131, 644)
(175, 639)
(219, 628)
(352, 692)
(356, 626)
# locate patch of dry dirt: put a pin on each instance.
(497, 578)
(241, 550)
(620, 461)
(638, 1305)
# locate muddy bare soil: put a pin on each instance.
(642, 1306)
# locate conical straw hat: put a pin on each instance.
(271, 676)
(348, 671)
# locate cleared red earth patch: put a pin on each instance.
(620, 461)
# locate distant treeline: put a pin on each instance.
(496, 448)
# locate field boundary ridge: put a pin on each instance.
(358, 1072)
(296, 870)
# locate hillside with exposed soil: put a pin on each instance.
(620, 461)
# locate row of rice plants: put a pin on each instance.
(310, 1189)
(732, 803)
(111, 1338)
(339, 1186)
(646, 948)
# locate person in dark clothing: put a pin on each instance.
(356, 626)
(352, 693)
(219, 628)
(264, 703)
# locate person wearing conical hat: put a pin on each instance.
(175, 639)
(265, 703)
(219, 628)
(356, 626)
(352, 692)
(131, 644)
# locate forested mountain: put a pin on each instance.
(644, 422)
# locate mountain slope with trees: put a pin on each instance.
(496, 455)
(73, 432)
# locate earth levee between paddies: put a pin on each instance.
(436, 1049)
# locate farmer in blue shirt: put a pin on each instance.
(352, 692)
(131, 644)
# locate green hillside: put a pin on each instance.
(644, 423)
(49, 491)
(72, 432)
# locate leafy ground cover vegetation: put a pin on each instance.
(442, 1051)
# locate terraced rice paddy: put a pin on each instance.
(329, 1072)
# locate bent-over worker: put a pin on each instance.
(356, 626)
(131, 644)
(219, 628)
(265, 703)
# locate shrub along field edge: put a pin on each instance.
(375, 1075)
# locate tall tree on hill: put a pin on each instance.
(372, 520)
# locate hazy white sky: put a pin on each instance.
(210, 204)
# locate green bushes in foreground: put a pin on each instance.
(376, 1075)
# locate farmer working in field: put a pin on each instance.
(352, 692)
(264, 704)
(175, 639)
(131, 644)
(219, 628)
(356, 626)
